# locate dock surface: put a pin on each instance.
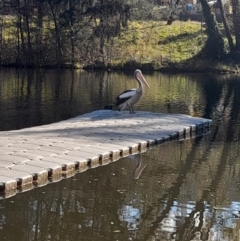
(36, 156)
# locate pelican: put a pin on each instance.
(128, 98)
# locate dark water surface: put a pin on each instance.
(189, 190)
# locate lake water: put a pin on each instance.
(188, 190)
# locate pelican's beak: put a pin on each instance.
(140, 76)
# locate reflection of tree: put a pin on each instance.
(224, 115)
(46, 96)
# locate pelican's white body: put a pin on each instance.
(128, 98)
(133, 97)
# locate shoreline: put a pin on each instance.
(219, 68)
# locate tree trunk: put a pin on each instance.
(226, 27)
(236, 23)
(59, 59)
(214, 47)
(173, 11)
(20, 27)
(39, 57)
(72, 34)
(29, 44)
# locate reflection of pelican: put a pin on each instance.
(128, 98)
(140, 166)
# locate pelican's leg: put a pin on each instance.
(129, 107)
(132, 111)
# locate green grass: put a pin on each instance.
(156, 42)
(149, 43)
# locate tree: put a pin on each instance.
(227, 29)
(236, 24)
(111, 16)
(214, 47)
(173, 11)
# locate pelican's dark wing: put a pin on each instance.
(124, 96)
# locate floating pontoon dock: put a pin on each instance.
(38, 155)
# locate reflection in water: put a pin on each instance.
(185, 190)
(130, 215)
(46, 96)
(36, 97)
(140, 165)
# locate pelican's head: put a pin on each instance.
(139, 76)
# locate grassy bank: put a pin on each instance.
(157, 44)
(149, 45)
(169, 48)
